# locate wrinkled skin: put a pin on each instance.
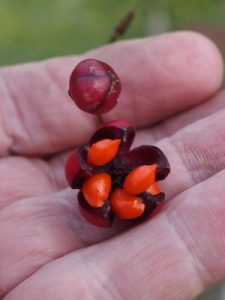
(47, 250)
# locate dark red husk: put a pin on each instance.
(94, 86)
(115, 130)
(147, 155)
(77, 169)
(102, 217)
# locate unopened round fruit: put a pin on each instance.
(94, 86)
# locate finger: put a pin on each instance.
(173, 124)
(45, 121)
(22, 177)
(163, 84)
(170, 257)
(195, 153)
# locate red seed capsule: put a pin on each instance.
(94, 86)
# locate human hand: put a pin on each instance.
(47, 250)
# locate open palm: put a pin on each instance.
(47, 250)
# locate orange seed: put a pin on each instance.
(139, 179)
(126, 206)
(154, 189)
(103, 151)
(96, 189)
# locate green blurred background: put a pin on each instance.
(38, 29)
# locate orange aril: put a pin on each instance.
(103, 151)
(139, 179)
(126, 206)
(154, 189)
(96, 189)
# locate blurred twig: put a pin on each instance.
(122, 26)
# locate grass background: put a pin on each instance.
(33, 30)
(38, 29)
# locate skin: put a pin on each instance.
(47, 250)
